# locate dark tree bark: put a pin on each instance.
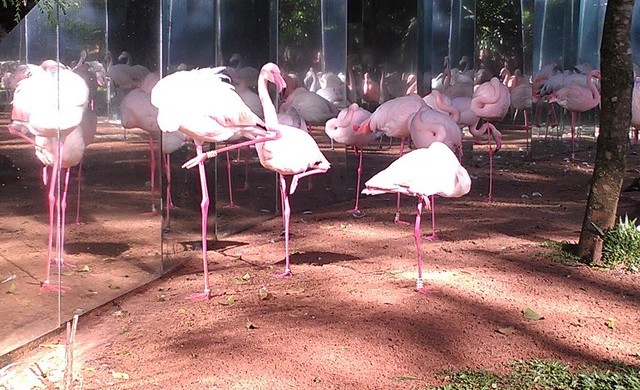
(615, 116)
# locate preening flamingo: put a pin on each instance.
(392, 118)
(576, 98)
(292, 152)
(421, 173)
(342, 130)
(202, 105)
(491, 101)
(52, 104)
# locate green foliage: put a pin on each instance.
(621, 244)
(535, 374)
(562, 252)
(50, 7)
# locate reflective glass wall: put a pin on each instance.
(105, 220)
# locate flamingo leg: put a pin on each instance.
(433, 236)
(356, 210)
(527, 132)
(204, 208)
(417, 236)
(46, 284)
(153, 174)
(296, 178)
(573, 117)
(286, 214)
(396, 218)
(231, 204)
(79, 188)
(490, 198)
(169, 203)
(63, 213)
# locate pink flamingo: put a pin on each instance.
(392, 118)
(136, 111)
(408, 175)
(576, 98)
(428, 126)
(342, 130)
(203, 106)
(491, 101)
(312, 107)
(52, 104)
(292, 152)
(521, 100)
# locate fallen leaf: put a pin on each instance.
(246, 277)
(113, 287)
(611, 323)
(264, 294)
(120, 375)
(84, 269)
(506, 331)
(532, 315)
(231, 299)
(182, 310)
(294, 291)
(120, 313)
(249, 325)
(12, 288)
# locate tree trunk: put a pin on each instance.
(615, 117)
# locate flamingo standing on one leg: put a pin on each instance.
(491, 101)
(421, 173)
(429, 126)
(202, 105)
(292, 152)
(577, 98)
(392, 118)
(342, 130)
(52, 104)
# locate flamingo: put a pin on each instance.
(428, 126)
(421, 173)
(342, 130)
(392, 118)
(576, 98)
(136, 111)
(291, 152)
(203, 106)
(312, 107)
(521, 99)
(51, 103)
(491, 101)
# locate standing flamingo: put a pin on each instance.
(342, 130)
(421, 173)
(491, 101)
(52, 104)
(428, 126)
(635, 110)
(292, 152)
(202, 105)
(521, 99)
(136, 111)
(392, 118)
(577, 98)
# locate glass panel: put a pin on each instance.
(107, 245)
(27, 311)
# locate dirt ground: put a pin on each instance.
(350, 317)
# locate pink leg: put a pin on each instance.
(286, 213)
(63, 214)
(169, 202)
(79, 187)
(296, 178)
(434, 235)
(46, 284)
(204, 208)
(416, 234)
(490, 198)
(573, 117)
(396, 219)
(526, 129)
(231, 204)
(153, 174)
(356, 210)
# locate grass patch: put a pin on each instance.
(621, 244)
(562, 252)
(535, 374)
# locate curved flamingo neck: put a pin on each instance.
(348, 117)
(592, 87)
(269, 110)
(453, 112)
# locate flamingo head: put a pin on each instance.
(272, 73)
